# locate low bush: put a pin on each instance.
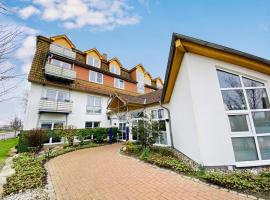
(29, 173)
(240, 180)
(168, 162)
(100, 135)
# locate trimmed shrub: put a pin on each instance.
(32, 140)
(100, 135)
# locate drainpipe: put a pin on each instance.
(170, 125)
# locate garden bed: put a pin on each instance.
(243, 181)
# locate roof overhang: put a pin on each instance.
(181, 44)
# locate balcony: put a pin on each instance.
(46, 105)
(62, 51)
(60, 72)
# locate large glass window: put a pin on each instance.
(93, 61)
(95, 77)
(57, 95)
(158, 115)
(247, 105)
(93, 104)
(92, 124)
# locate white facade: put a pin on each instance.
(77, 117)
(200, 126)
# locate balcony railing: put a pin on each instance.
(62, 51)
(46, 105)
(60, 72)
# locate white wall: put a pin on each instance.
(198, 111)
(185, 134)
(78, 117)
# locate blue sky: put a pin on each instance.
(139, 31)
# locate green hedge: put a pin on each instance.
(29, 173)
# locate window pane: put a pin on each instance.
(56, 62)
(47, 126)
(90, 60)
(234, 100)
(90, 101)
(92, 76)
(160, 113)
(162, 125)
(261, 121)
(244, 149)
(88, 124)
(96, 62)
(97, 101)
(66, 65)
(258, 99)
(264, 144)
(154, 114)
(51, 94)
(238, 123)
(58, 125)
(228, 80)
(62, 96)
(99, 77)
(96, 124)
(251, 83)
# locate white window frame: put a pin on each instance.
(157, 119)
(252, 131)
(96, 77)
(148, 81)
(117, 83)
(93, 112)
(114, 69)
(92, 124)
(93, 61)
(140, 88)
(45, 94)
(53, 122)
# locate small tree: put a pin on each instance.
(16, 124)
(146, 131)
(68, 132)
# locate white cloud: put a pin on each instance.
(28, 12)
(97, 14)
(26, 52)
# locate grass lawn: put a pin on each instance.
(5, 146)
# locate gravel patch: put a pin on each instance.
(36, 194)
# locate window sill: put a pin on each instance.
(252, 163)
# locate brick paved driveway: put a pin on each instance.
(101, 173)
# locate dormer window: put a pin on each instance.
(148, 81)
(114, 69)
(140, 77)
(91, 60)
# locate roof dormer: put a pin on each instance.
(115, 66)
(93, 57)
(159, 82)
(63, 40)
(147, 78)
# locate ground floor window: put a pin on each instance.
(50, 125)
(247, 106)
(92, 124)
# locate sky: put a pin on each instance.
(135, 31)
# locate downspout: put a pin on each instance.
(170, 125)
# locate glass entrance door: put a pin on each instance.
(122, 130)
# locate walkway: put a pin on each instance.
(102, 173)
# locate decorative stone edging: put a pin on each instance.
(6, 171)
(49, 186)
(194, 179)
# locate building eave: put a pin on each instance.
(181, 44)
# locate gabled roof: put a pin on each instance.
(180, 44)
(158, 78)
(139, 65)
(117, 60)
(145, 99)
(65, 37)
(94, 50)
(147, 73)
